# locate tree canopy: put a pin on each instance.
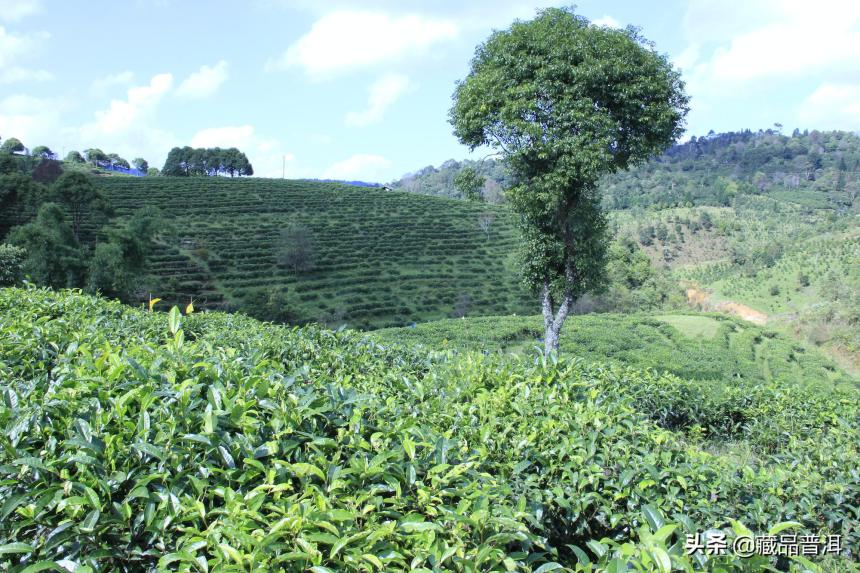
(566, 102)
(75, 157)
(43, 151)
(188, 161)
(12, 145)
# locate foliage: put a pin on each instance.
(537, 93)
(140, 164)
(54, 254)
(381, 258)
(95, 156)
(296, 248)
(83, 200)
(469, 184)
(20, 197)
(74, 157)
(11, 264)
(43, 151)
(12, 145)
(803, 168)
(710, 351)
(440, 180)
(136, 440)
(186, 161)
(47, 171)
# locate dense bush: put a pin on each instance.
(135, 441)
(11, 264)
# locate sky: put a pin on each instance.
(361, 90)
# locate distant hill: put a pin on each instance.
(817, 169)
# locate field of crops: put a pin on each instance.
(713, 349)
(381, 258)
(133, 441)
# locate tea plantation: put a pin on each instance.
(715, 349)
(138, 441)
(379, 258)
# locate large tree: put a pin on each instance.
(12, 145)
(43, 151)
(54, 255)
(566, 102)
(84, 202)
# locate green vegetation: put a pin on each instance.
(560, 130)
(133, 440)
(187, 162)
(363, 256)
(810, 169)
(11, 264)
(63, 239)
(710, 348)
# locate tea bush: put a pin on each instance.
(137, 441)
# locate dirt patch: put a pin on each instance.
(742, 311)
(698, 298)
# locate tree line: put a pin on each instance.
(188, 161)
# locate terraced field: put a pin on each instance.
(712, 349)
(381, 258)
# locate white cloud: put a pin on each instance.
(14, 10)
(361, 167)
(102, 85)
(16, 74)
(15, 46)
(204, 82)
(382, 93)
(607, 20)
(127, 126)
(779, 39)
(346, 39)
(35, 121)
(140, 102)
(832, 106)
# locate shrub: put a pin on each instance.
(11, 264)
(212, 442)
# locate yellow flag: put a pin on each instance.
(190, 308)
(152, 302)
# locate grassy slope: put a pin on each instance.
(383, 258)
(704, 347)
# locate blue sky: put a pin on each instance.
(361, 90)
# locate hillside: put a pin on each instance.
(376, 258)
(135, 440)
(761, 220)
(817, 170)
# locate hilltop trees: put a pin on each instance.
(140, 164)
(75, 157)
(117, 161)
(12, 145)
(565, 103)
(43, 151)
(188, 161)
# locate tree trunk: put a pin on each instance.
(553, 320)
